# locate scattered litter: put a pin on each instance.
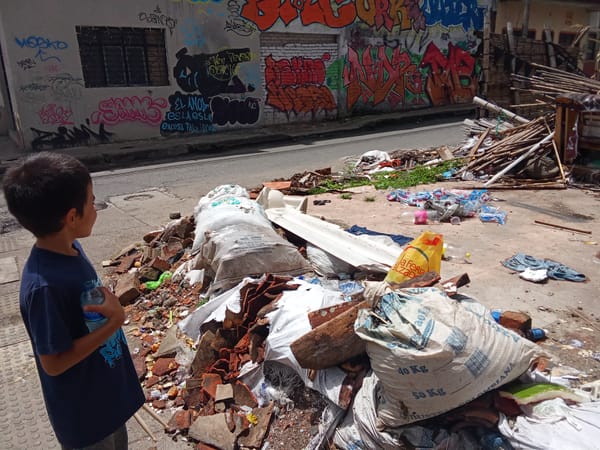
(557, 271)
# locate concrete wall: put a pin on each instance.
(236, 63)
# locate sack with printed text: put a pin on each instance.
(423, 254)
(432, 353)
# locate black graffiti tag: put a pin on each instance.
(231, 111)
(69, 137)
(211, 73)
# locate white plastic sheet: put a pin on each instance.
(570, 427)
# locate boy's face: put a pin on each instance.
(88, 218)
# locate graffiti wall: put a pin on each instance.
(111, 71)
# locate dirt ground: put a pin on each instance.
(568, 311)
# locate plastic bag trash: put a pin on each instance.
(537, 276)
(152, 285)
(432, 354)
(492, 214)
(224, 190)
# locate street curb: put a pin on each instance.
(129, 153)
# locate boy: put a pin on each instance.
(89, 383)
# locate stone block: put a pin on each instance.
(127, 288)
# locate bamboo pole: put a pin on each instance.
(519, 159)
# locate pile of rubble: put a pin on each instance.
(229, 321)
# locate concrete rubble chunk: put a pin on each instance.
(213, 430)
(205, 355)
(160, 264)
(224, 392)
(181, 420)
(163, 366)
(148, 274)
(256, 434)
(128, 288)
(169, 344)
(243, 396)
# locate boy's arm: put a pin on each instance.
(55, 364)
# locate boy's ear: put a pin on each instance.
(70, 216)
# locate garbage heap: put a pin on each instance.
(229, 317)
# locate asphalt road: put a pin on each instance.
(253, 165)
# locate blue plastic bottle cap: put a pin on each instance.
(496, 313)
(537, 334)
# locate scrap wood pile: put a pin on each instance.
(519, 156)
(221, 341)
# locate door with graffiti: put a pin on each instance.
(300, 79)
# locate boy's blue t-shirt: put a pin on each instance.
(95, 397)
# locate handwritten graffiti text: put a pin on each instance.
(53, 114)
(158, 18)
(188, 114)
(42, 45)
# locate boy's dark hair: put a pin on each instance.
(42, 189)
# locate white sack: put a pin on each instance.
(226, 211)
(245, 250)
(432, 354)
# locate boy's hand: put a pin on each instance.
(111, 308)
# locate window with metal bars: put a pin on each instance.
(112, 56)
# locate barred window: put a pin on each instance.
(112, 56)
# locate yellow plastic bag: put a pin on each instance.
(423, 254)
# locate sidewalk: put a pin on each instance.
(128, 153)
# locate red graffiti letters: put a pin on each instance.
(115, 110)
(451, 79)
(53, 114)
(378, 74)
(298, 85)
(387, 14)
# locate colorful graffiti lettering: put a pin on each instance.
(451, 79)
(404, 14)
(298, 85)
(378, 74)
(115, 110)
(211, 74)
(69, 137)
(53, 114)
(188, 114)
(42, 45)
(227, 110)
(449, 12)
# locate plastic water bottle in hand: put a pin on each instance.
(93, 296)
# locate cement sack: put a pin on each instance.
(248, 250)
(226, 211)
(432, 354)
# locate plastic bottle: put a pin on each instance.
(93, 296)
